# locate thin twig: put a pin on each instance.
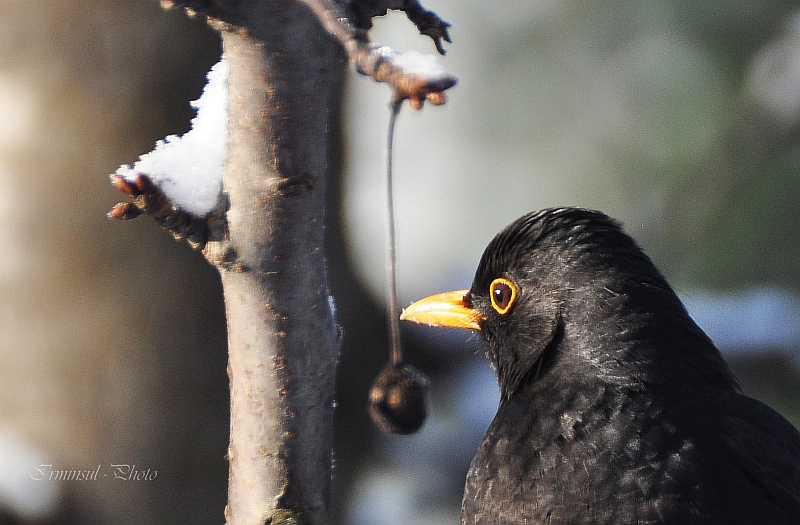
(368, 58)
(396, 352)
(378, 61)
(148, 198)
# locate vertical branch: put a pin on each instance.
(285, 77)
(283, 341)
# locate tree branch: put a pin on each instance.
(149, 198)
(371, 59)
(266, 237)
(283, 342)
(428, 23)
(380, 62)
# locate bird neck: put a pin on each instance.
(636, 333)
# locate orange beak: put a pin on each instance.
(444, 309)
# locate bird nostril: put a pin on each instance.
(467, 300)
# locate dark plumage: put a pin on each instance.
(615, 407)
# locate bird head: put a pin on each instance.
(566, 288)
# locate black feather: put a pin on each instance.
(616, 407)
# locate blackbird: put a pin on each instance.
(615, 406)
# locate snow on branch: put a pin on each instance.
(179, 183)
(188, 168)
(350, 26)
(415, 77)
(411, 78)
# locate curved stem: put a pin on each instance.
(396, 353)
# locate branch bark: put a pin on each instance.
(283, 342)
(287, 60)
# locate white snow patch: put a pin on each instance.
(420, 64)
(188, 168)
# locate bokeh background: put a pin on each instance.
(682, 119)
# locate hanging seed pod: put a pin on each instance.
(397, 399)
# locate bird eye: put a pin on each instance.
(503, 294)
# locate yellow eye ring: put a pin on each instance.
(503, 294)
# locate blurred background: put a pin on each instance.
(682, 119)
